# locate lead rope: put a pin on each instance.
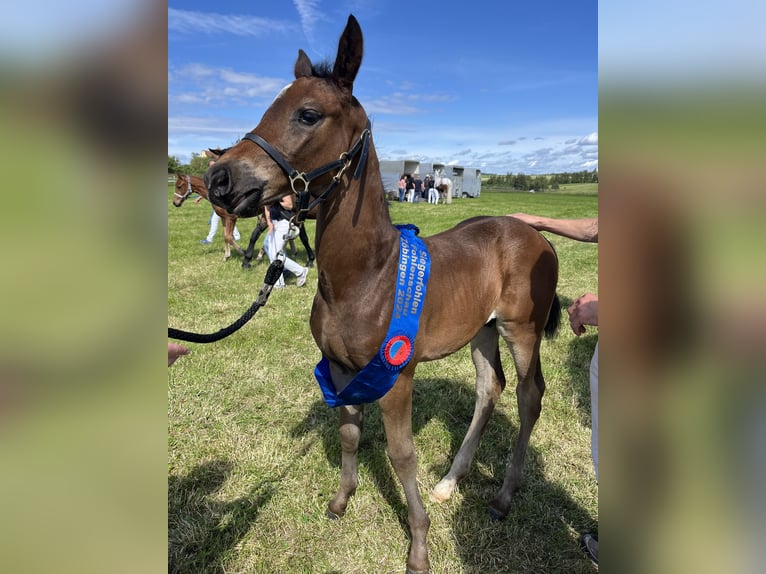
(272, 275)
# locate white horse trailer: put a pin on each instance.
(464, 181)
(471, 182)
(392, 170)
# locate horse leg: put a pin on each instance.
(350, 431)
(234, 241)
(396, 408)
(490, 382)
(259, 228)
(524, 344)
(305, 240)
(228, 238)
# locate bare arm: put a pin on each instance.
(585, 229)
(267, 217)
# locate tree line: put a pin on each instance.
(197, 166)
(523, 182)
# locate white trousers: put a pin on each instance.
(274, 243)
(215, 219)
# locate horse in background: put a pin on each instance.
(491, 278)
(444, 186)
(189, 184)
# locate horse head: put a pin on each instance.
(183, 189)
(314, 124)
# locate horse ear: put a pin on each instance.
(303, 67)
(349, 58)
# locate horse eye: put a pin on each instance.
(309, 117)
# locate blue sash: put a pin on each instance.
(380, 374)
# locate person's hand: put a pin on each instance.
(174, 351)
(528, 219)
(584, 311)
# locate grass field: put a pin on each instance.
(253, 451)
(564, 189)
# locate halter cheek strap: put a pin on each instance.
(188, 189)
(342, 163)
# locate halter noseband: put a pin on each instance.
(188, 190)
(300, 181)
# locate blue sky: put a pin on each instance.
(502, 86)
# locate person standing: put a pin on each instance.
(410, 186)
(583, 312)
(278, 216)
(433, 195)
(402, 188)
(418, 188)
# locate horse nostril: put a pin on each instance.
(218, 181)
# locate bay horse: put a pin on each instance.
(491, 277)
(188, 184)
(261, 226)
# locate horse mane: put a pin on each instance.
(322, 70)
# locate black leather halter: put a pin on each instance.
(300, 181)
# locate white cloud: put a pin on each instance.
(199, 83)
(307, 9)
(191, 22)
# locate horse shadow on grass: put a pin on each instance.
(202, 529)
(539, 534)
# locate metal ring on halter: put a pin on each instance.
(302, 178)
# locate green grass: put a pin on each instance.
(253, 451)
(564, 189)
(584, 188)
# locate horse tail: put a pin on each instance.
(554, 318)
(554, 315)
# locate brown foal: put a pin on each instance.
(492, 277)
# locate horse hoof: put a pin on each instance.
(246, 265)
(411, 571)
(442, 492)
(331, 515)
(497, 515)
(310, 263)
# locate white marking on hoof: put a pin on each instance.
(442, 491)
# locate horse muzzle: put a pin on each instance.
(240, 196)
